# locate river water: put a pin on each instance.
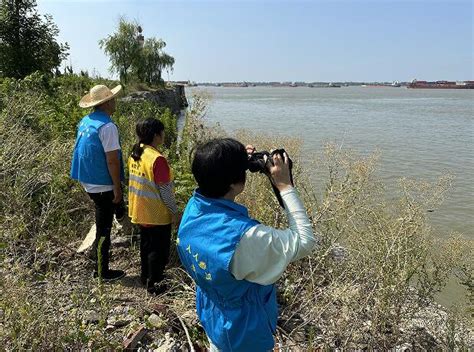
(420, 133)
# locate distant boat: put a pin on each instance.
(441, 85)
(293, 85)
(333, 85)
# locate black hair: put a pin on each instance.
(219, 163)
(146, 131)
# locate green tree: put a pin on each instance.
(153, 61)
(27, 40)
(123, 48)
(132, 57)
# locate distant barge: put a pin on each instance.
(441, 85)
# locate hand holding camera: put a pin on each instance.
(277, 165)
(279, 170)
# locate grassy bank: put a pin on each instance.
(376, 292)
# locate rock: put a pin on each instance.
(338, 253)
(91, 317)
(167, 345)
(110, 328)
(119, 321)
(173, 98)
(155, 321)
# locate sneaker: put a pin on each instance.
(111, 275)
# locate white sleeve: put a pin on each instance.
(109, 136)
(264, 252)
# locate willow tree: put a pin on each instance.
(133, 58)
(123, 48)
(153, 61)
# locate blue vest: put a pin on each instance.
(89, 164)
(237, 315)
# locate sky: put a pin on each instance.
(338, 40)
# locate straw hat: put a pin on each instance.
(98, 94)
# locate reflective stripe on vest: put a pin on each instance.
(143, 193)
(143, 181)
(145, 204)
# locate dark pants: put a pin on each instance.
(154, 253)
(104, 215)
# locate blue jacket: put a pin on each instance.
(89, 163)
(237, 315)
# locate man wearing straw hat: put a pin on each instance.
(97, 164)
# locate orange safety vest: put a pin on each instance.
(144, 201)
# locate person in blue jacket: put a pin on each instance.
(97, 164)
(233, 259)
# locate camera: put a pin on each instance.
(257, 160)
(257, 163)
